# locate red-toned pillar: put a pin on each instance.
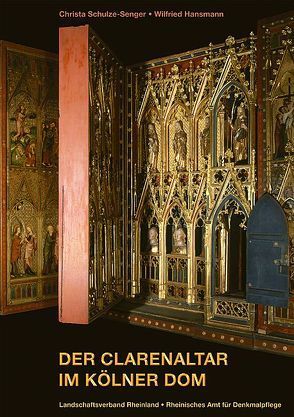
(73, 174)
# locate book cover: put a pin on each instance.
(187, 118)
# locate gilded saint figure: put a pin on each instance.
(240, 142)
(180, 146)
(153, 147)
(239, 134)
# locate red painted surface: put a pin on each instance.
(73, 174)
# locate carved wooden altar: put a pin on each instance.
(206, 138)
(169, 174)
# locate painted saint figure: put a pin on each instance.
(49, 251)
(49, 137)
(30, 152)
(180, 146)
(289, 119)
(18, 155)
(16, 252)
(20, 123)
(153, 147)
(23, 139)
(153, 239)
(30, 243)
(284, 128)
(180, 246)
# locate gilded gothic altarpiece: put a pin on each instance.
(178, 156)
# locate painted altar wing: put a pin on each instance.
(267, 254)
(28, 187)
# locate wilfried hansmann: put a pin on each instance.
(186, 13)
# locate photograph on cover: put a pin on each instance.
(147, 219)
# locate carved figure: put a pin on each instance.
(180, 146)
(153, 147)
(180, 246)
(240, 142)
(153, 239)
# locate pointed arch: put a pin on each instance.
(200, 215)
(267, 248)
(175, 202)
(52, 190)
(147, 101)
(143, 212)
(24, 192)
(149, 224)
(201, 96)
(286, 70)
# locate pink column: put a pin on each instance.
(73, 175)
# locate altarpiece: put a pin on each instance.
(206, 142)
(177, 168)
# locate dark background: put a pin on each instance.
(31, 341)
(35, 24)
